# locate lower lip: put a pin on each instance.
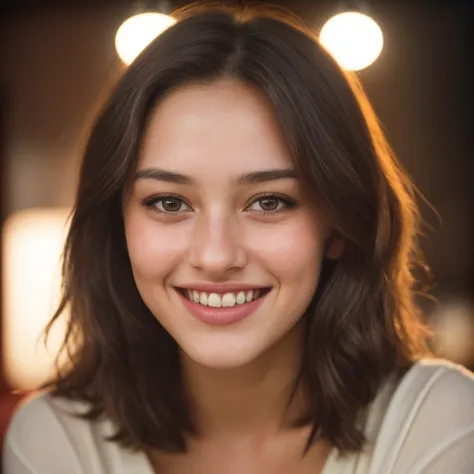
(223, 315)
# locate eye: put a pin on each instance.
(167, 204)
(271, 203)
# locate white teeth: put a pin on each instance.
(203, 299)
(228, 300)
(214, 300)
(240, 297)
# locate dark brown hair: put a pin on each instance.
(362, 323)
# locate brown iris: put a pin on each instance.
(171, 204)
(268, 204)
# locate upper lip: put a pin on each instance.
(222, 287)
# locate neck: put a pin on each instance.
(250, 399)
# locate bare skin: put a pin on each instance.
(278, 454)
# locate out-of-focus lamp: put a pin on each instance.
(32, 244)
(354, 39)
(453, 323)
(137, 32)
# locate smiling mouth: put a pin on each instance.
(229, 299)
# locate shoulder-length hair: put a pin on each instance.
(362, 323)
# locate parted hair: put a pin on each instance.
(362, 324)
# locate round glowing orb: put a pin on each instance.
(353, 39)
(137, 32)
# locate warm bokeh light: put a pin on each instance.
(453, 323)
(136, 33)
(353, 39)
(32, 245)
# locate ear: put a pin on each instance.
(334, 248)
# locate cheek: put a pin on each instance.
(154, 249)
(292, 251)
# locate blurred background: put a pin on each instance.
(58, 57)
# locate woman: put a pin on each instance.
(239, 277)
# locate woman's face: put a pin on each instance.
(225, 251)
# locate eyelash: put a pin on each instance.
(287, 201)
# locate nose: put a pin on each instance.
(216, 248)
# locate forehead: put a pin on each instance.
(224, 126)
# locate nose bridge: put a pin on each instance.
(216, 243)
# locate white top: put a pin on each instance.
(424, 425)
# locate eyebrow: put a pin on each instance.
(253, 177)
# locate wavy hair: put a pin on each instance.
(362, 324)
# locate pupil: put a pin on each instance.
(171, 205)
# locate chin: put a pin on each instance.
(222, 356)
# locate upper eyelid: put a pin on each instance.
(272, 195)
(157, 197)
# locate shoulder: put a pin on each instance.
(429, 423)
(441, 388)
(431, 380)
(47, 435)
(51, 413)
(440, 374)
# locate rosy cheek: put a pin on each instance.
(154, 248)
(288, 247)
